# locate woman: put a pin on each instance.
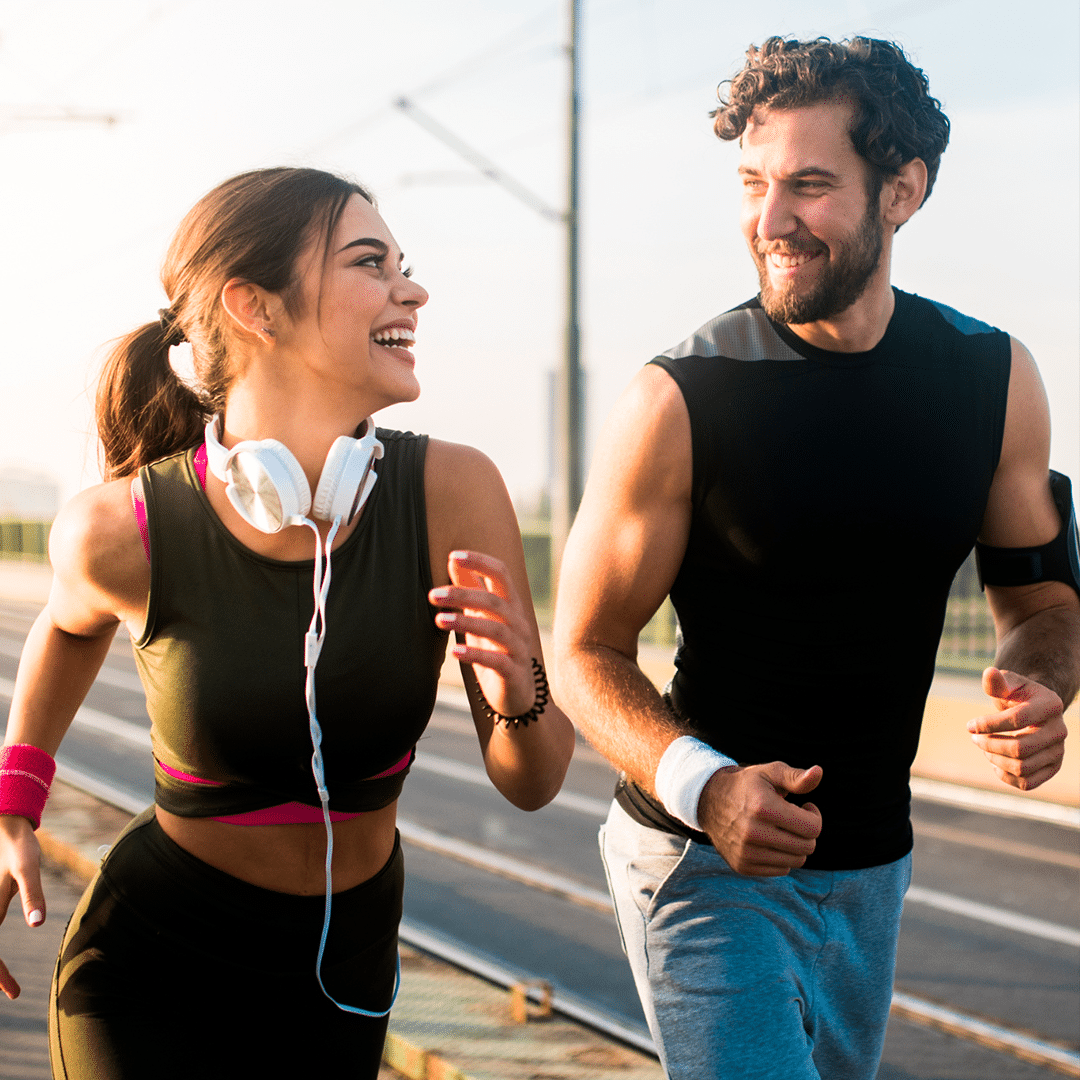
(274, 711)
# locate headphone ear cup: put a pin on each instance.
(267, 486)
(346, 481)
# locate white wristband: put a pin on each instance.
(682, 774)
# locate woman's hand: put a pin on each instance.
(488, 605)
(20, 872)
(493, 629)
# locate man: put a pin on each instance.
(804, 475)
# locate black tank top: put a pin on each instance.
(221, 657)
(835, 495)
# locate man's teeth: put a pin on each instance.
(786, 261)
(394, 336)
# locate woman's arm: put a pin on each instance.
(100, 576)
(478, 567)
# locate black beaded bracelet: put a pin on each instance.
(543, 696)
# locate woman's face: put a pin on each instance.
(359, 309)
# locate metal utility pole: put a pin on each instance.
(569, 434)
(569, 397)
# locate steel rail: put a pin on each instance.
(994, 1036)
(431, 941)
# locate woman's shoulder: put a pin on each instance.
(96, 549)
(455, 469)
(467, 501)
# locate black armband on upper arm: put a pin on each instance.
(1058, 560)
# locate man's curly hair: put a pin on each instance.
(895, 118)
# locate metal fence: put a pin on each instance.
(27, 540)
(967, 641)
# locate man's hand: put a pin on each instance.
(1025, 739)
(751, 823)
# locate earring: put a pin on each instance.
(267, 330)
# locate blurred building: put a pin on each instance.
(29, 501)
(26, 495)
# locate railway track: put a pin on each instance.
(990, 948)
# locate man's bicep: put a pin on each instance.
(614, 579)
(630, 534)
(1020, 510)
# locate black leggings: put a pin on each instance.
(171, 968)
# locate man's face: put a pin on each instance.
(814, 233)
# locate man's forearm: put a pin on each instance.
(617, 708)
(1045, 647)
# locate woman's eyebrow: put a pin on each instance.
(367, 241)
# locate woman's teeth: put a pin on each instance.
(397, 335)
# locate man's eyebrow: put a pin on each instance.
(799, 174)
(810, 171)
(367, 241)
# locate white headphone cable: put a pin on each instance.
(313, 642)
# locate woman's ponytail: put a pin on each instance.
(144, 410)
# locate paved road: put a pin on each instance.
(984, 961)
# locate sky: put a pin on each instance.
(203, 89)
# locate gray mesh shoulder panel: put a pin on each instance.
(964, 323)
(742, 334)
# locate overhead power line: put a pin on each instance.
(483, 164)
(458, 70)
(14, 116)
(498, 48)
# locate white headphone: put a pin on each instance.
(268, 488)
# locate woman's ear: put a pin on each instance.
(251, 308)
(903, 193)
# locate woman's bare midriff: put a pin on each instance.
(289, 858)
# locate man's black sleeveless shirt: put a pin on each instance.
(835, 495)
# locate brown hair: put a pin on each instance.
(895, 118)
(253, 226)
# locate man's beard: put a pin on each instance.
(842, 281)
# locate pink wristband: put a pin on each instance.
(25, 775)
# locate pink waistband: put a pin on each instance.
(290, 813)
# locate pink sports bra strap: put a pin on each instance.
(200, 464)
(138, 503)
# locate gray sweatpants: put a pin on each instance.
(753, 978)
